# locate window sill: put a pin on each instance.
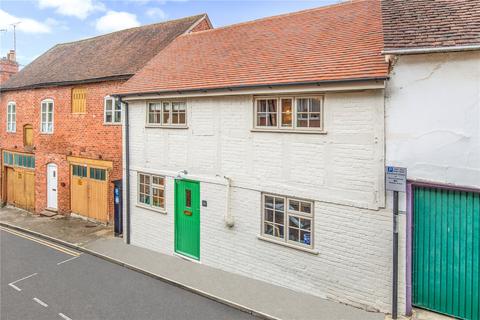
(11, 132)
(46, 133)
(79, 113)
(165, 127)
(162, 211)
(289, 131)
(112, 124)
(286, 244)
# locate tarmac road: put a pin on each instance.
(41, 280)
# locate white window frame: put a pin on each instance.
(151, 186)
(46, 102)
(293, 127)
(113, 111)
(11, 117)
(169, 124)
(286, 214)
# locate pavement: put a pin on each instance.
(254, 297)
(40, 280)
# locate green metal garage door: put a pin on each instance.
(446, 252)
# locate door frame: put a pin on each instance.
(184, 255)
(52, 164)
(411, 184)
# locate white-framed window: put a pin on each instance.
(151, 191)
(112, 111)
(289, 113)
(288, 219)
(46, 116)
(11, 117)
(167, 113)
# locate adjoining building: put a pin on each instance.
(433, 129)
(61, 136)
(258, 148)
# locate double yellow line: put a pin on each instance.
(43, 242)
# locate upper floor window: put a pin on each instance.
(112, 111)
(28, 135)
(289, 113)
(11, 117)
(288, 219)
(167, 113)
(46, 125)
(79, 100)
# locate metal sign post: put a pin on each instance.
(396, 181)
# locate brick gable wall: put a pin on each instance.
(81, 135)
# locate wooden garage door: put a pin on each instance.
(20, 180)
(446, 252)
(89, 190)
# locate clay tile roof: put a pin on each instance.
(113, 55)
(430, 23)
(337, 42)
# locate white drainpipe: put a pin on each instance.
(229, 219)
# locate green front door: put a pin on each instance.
(446, 252)
(187, 218)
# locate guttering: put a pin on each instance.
(67, 83)
(431, 50)
(127, 172)
(252, 86)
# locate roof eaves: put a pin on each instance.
(252, 86)
(421, 50)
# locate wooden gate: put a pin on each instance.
(446, 252)
(89, 188)
(19, 180)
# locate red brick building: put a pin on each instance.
(8, 66)
(60, 132)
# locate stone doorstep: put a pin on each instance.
(48, 213)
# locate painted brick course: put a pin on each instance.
(341, 170)
(82, 135)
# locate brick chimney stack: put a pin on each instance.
(8, 66)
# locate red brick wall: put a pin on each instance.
(82, 135)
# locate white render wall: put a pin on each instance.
(433, 117)
(341, 170)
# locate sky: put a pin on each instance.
(44, 23)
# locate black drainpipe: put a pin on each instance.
(127, 173)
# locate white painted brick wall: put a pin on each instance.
(341, 171)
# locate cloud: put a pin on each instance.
(75, 8)
(116, 20)
(156, 13)
(26, 25)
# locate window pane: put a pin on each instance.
(108, 105)
(294, 221)
(269, 202)
(287, 113)
(108, 117)
(261, 105)
(293, 205)
(305, 237)
(306, 207)
(293, 234)
(278, 231)
(279, 217)
(175, 118)
(268, 215)
(118, 116)
(182, 118)
(314, 105)
(279, 204)
(188, 198)
(302, 105)
(268, 229)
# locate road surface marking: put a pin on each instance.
(14, 287)
(43, 242)
(64, 316)
(40, 302)
(12, 284)
(62, 262)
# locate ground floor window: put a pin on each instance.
(18, 160)
(288, 219)
(151, 190)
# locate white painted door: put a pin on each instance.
(52, 181)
